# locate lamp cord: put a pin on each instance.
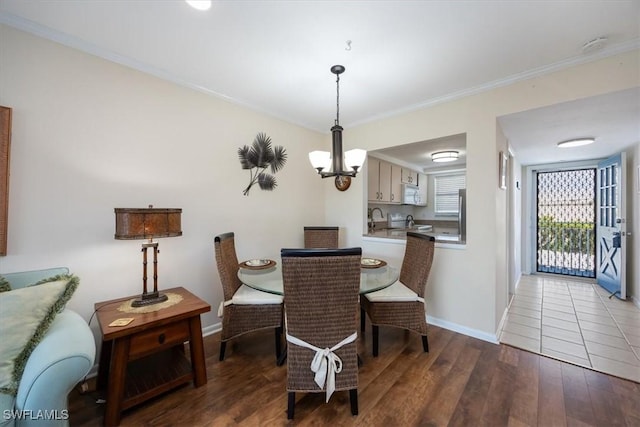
(83, 386)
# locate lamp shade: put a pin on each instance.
(147, 223)
(320, 160)
(354, 159)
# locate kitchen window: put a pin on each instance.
(446, 192)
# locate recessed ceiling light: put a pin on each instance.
(576, 142)
(445, 156)
(199, 4)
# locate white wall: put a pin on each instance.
(90, 135)
(515, 223)
(467, 287)
(502, 226)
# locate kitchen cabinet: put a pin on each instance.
(385, 181)
(409, 176)
(423, 183)
(373, 179)
(396, 184)
(379, 181)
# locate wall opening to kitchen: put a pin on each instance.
(407, 189)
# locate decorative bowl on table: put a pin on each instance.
(257, 264)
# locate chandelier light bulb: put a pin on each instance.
(199, 4)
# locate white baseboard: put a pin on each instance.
(212, 329)
(431, 320)
(502, 320)
(217, 327)
(481, 335)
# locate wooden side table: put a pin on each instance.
(146, 357)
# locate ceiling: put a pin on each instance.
(612, 119)
(275, 56)
(418, 154)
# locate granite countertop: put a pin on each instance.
(401, 234)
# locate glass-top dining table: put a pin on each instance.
(270, 279)
(372, 278)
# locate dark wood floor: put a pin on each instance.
(462, 381)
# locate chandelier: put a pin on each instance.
(333, 164)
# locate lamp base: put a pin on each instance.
(149, 298)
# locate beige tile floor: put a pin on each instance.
(577, 322)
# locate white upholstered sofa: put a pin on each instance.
(62, 356)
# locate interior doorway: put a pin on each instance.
(566, 222)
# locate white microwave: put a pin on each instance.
(410, 194)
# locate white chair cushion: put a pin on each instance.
(397, 292)
(249, 296)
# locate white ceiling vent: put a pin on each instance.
(593, 45)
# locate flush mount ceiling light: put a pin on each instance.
(444, 156)
(199, 4)
(576, 142)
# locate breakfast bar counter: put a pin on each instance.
(401, 234)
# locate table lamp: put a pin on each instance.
(141, 223)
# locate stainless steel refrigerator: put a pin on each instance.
(462, 214)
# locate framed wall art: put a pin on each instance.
(5, 145)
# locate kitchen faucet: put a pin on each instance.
(409, 222)
(372, 224)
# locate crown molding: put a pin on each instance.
(76, 43)
(612, 50)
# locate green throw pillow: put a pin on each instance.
(25, 317)
(4, 285)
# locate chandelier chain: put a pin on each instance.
(337, 99)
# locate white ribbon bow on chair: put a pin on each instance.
(222, 305)
(326, 364)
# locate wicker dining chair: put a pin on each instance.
(321, 237)
(402, 305)
(321, 289)
(244, 309)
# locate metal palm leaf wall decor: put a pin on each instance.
(259, 157)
